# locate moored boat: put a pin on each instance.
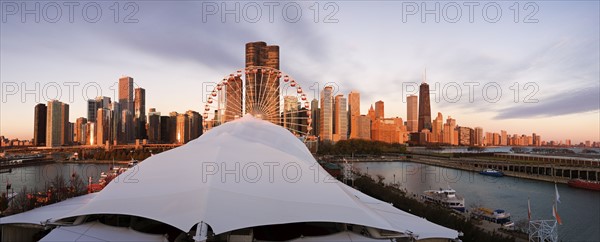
(580, 183)
(491, 172)
(446, 198)
(498, 216)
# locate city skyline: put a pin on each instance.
(557, 54)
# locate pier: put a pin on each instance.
(535, 169)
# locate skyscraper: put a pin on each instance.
(103, 124)
(354, 110)
(449, 127)
(326, 116)
(80, 131)
(437, 129)
(183, 129)
(90, 131)
(464, 136)
(67, 130)
(234, 94)
(165, 134)
(364, 127)
(290, 112)
(424, 107)
(126, 93)
(116, 130)
(412, 123)
(39, 125)
(379, 114)
(258, 86)
(140, 113)
(173, 127)
(56, 123)
(478, 136)
(91, 110)
(154, 126)
(371, 113)
(195, 124)
(341, 119)
(94, 104)
(127, 130)
(503, 138)
(316, 114)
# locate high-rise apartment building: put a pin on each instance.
(503, 138)
(464, 136)
(478, 136)
(57, 119)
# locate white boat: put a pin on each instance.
(498, 216)
(446, 198)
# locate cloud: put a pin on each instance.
(584, 100)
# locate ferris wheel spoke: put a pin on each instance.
(263, 92)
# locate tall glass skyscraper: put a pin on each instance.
(424, 107)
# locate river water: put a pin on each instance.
(579, 209)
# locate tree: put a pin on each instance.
(59, 189)
(3, 202)
(21, 202)
(77, 186)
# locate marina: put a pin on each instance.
(509, 193)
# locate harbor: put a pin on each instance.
(507, 193)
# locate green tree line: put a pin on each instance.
(359, 146)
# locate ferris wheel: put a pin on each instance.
(264, 92)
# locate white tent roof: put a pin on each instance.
(45, 213)
(96, 231)
(338, 237)
(242, 174)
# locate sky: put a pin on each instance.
(523, 67)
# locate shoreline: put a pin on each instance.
(92, 162)
(446, 164)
